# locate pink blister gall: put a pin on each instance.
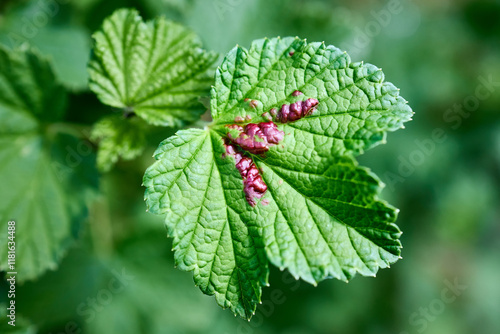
(256, 139)
(254, 186)
(296, 110)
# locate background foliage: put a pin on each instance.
(438, 52)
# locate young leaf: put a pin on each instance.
(274, 178)
(118, 138)
(156, 70)
(46, 177)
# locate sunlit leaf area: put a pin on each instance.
(249, 166)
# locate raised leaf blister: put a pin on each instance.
(293, 196)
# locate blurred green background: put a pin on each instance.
(440, 53)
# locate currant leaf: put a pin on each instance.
(47, 176)
(274, 177)
(118, 138)
(155, 69)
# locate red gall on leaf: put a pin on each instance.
(254, 103)
(256, 138)
(254, 186)
(296, 110)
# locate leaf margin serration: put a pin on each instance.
(348, 153)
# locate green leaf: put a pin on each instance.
(210, 237)
(320, 216)
(66, 42)
(46, 176)
(118, 138)
(157, 69)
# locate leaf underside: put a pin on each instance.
(320, 217)
(45, 182)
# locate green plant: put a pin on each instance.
(273, 178)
